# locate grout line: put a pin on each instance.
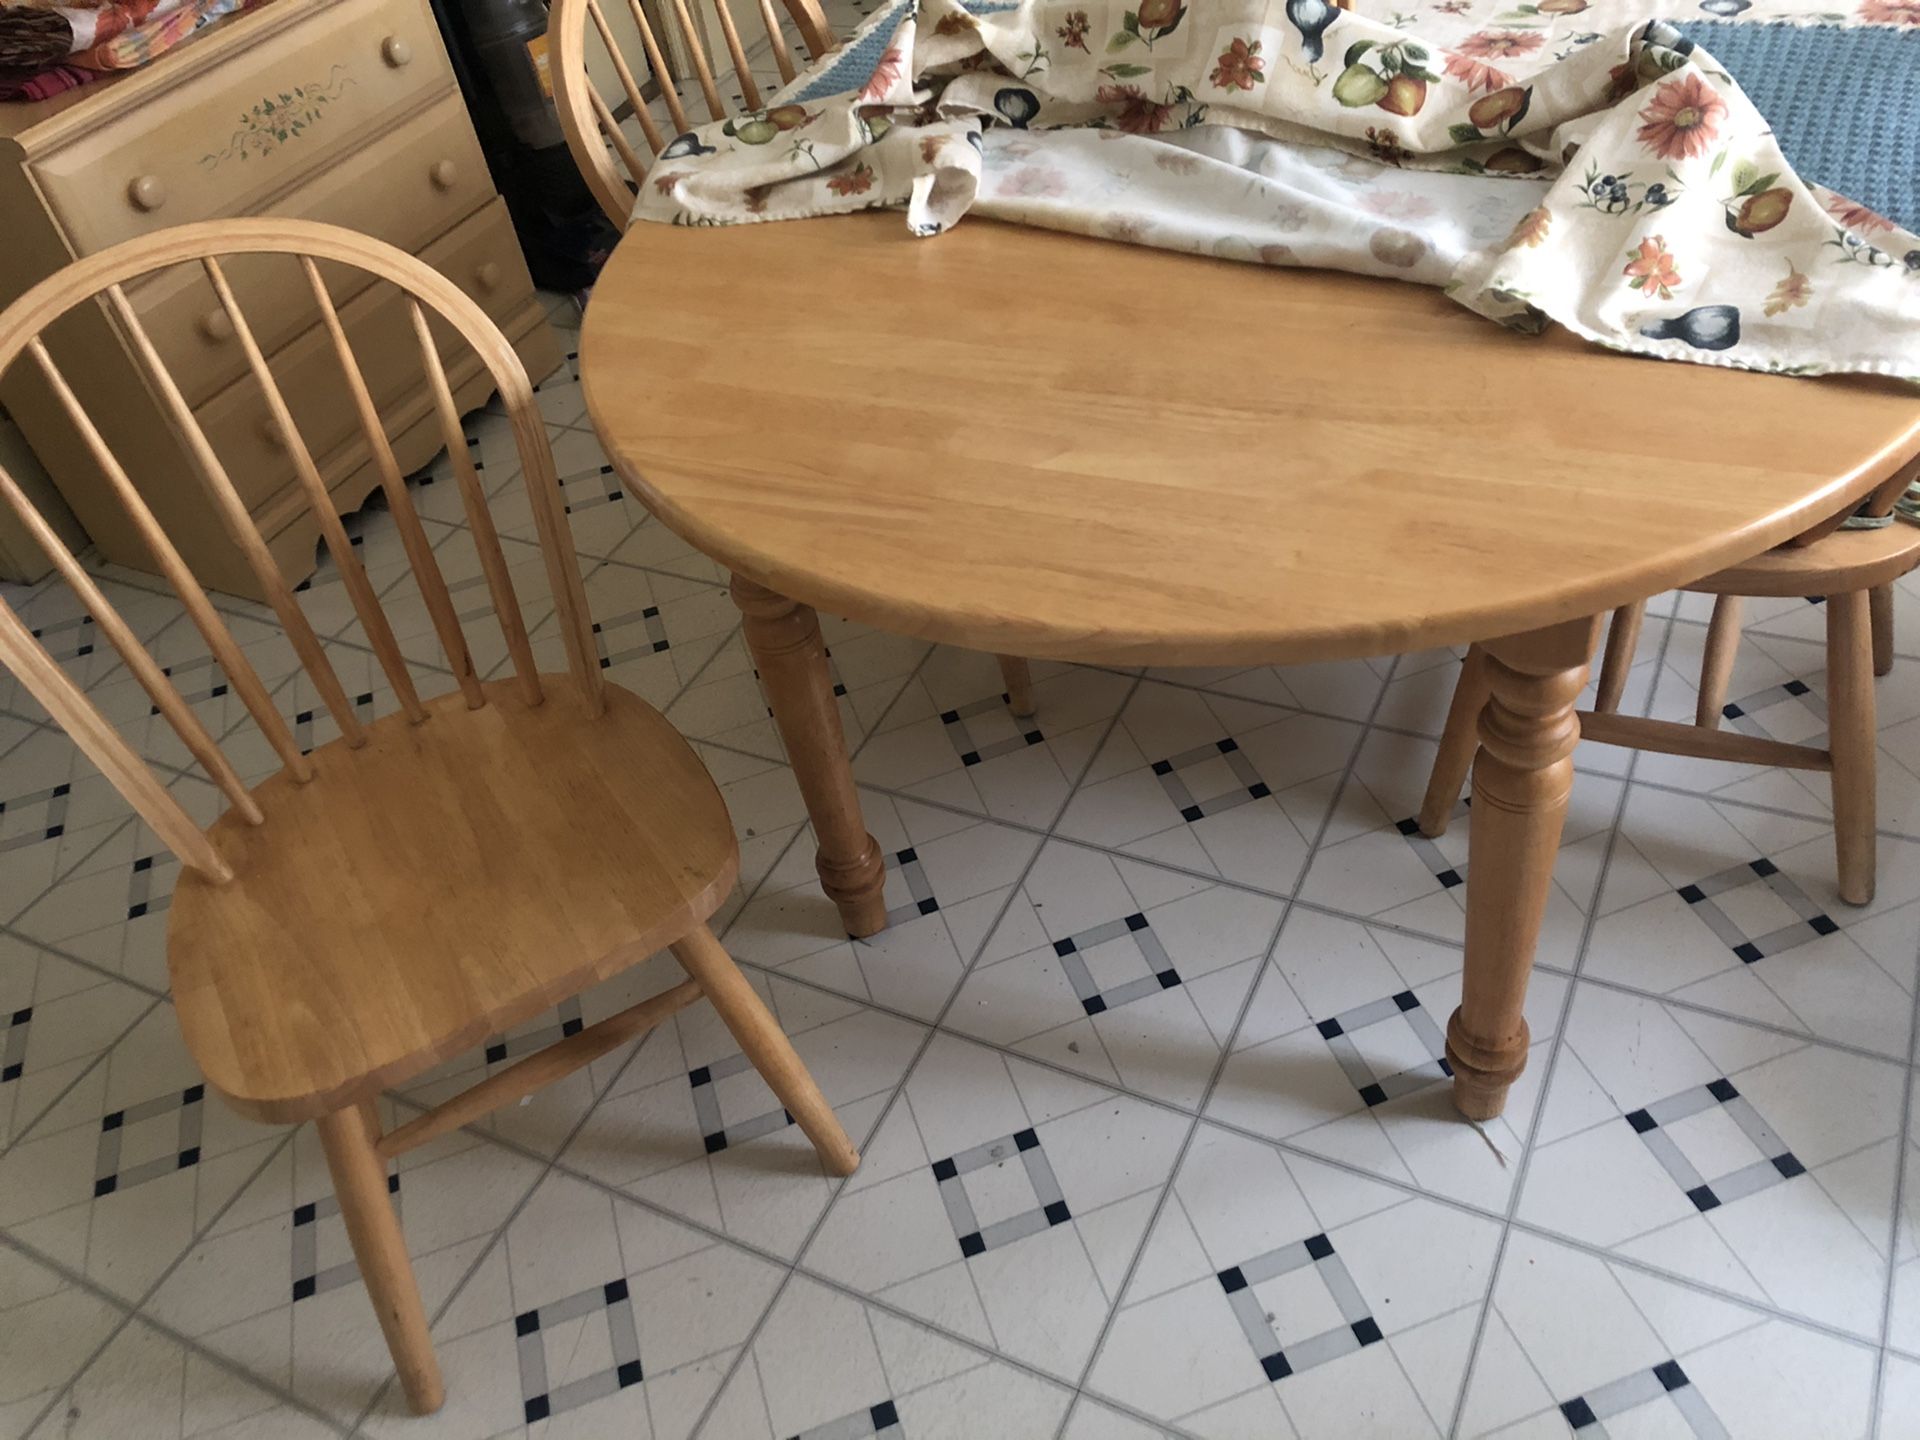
(772, 1257)
(1694, 1007)
(1372, 723)
(1321, 908)
(137, 1310)
(1374, 726)
(1654, 1272)
(21, 1132)
(81, 962)
(1551, 1413)
(1902, 1145)
(1551, 1063)
(890, 792)
(900, 1090)
(1227, 1049)
(993, 1356)
(1264, 1139)
(1288, 1148)
(61, 876)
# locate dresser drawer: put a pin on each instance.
(482, 256)
(407, 188)
(228, 139)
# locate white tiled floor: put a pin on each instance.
(1156, 1136)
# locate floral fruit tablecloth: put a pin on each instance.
(1582, 161)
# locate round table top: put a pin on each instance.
(1046, 445)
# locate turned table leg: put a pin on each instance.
(784, 639)
(1521, 779)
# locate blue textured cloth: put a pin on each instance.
(850, 68)
(1844, 104)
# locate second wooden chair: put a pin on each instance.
(1853, 570)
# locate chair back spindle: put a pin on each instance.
(427, 294)
(669, 94)
(353, 575)
(636, 101)
(607, 154)
(697, 53)
(166, 700)
(782, 57)
(473, 499)
(219, 640)
(238, 523)
(29, 661)
(413, 539)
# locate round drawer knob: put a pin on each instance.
(270, 432)
(147, 192)
(487, 277)
(444, 174)
(395, 51)
(216, 325)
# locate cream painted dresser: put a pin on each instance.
(337, 110)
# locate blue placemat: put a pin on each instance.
(1844, 104)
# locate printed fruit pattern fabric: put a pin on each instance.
(1578, 161)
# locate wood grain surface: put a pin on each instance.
(1040, 444)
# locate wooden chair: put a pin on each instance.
(605, 151)
(427, 879)
(599, 133)
(1854, 570)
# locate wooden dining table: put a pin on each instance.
(1040, 444)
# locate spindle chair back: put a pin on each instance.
(590, 35)
(429, 878)
(103, 279)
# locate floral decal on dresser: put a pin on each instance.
(275, 120)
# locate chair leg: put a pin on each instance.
(1623, 638)
(1723, 644)
(767, 1046)
(1458, 744)
(1018, 678)
(360, 1185)
(1880, 607)
(1850, 741)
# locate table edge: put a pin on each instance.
(843, 595)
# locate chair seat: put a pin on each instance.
(1834, 564)
(441, 883)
